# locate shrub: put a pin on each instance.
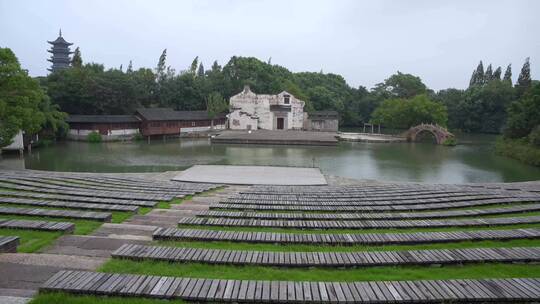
(94, 137)
(519, 149)
(534, 136)
(450, 141)
(138, 137)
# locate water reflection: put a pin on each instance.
(472, 161)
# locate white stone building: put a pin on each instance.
(250, 111)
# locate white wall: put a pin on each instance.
(258, 105)
(17, 144)
(240, 121)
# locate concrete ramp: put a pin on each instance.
(252, 175)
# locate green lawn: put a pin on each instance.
(65, 298)
(30, 240)
(198, 270)
(327, 248)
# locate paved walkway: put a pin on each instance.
(252, 175)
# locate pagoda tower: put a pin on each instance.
(60, 54)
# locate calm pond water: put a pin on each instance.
(471, 161)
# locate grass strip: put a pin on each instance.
(327, 248)
(66, 298)
(381, 273)
(30, 240)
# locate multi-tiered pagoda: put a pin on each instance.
(60, 53)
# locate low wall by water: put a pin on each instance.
(370, 137)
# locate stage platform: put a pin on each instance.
(252, 175)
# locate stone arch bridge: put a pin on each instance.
(440, 133)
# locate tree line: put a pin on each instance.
(400, 101)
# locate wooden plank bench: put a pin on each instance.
(8, 244)
(383, 202)
(250, 291)
(71, 198)
(344, 238)
(69, 183)
(373, 208)
(65, 227)
(41, 188)
(328, 259)
(371, 197)
(75, 214)
(362, 224)
(366, 216)
(66, 204)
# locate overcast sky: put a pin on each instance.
(365, 41)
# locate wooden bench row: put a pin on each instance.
(331, 202)
(103, 184)
(374, 208)
(41, 188)
(380, 189)
(328, 259)
(8, 243)
(67, 183)
(368, 216)
(74, 214)
(114, 182)
(363, 224)
(343, 238)
(37, 225)
(66, 204)
(251, 291)
(72, 198)
(365, 197)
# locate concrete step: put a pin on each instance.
(93, 246)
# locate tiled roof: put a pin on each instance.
(170, 114)
(102, 119)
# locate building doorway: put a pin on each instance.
(280, 123)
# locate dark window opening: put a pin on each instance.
(286, 99)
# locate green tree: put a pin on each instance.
(130, 67)
(508, 74)
(478, 75)
(23, 103)
(161, 67)
(488, 75)
(524, 114)
(402, 85)
(215, 104)
(452, 99)
(497, 74)
(76, 61)
(194, 65)
(404, 113)
(524, 79)
(200, 71)
(483, 108)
